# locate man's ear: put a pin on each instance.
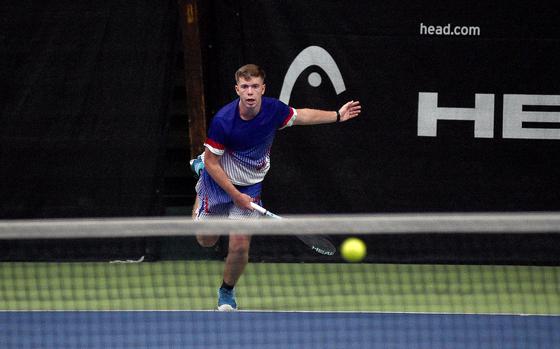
(263, 89)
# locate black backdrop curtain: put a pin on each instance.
(85, 92)
(380, 162)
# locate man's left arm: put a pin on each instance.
(308, 116)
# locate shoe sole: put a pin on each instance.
(226, 307)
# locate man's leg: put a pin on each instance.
(237, 258)
(236, 261)
(238, 248)
(203, 240)
(197, 165)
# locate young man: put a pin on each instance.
(237, 158)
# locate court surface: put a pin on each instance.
(169, 304)
(213, 330)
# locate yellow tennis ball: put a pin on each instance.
(353, 250)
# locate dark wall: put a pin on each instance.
(86, 86)
(498, 153)
(85, 91)
(385, 161)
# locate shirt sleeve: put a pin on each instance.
(216, 140)
(289, 116)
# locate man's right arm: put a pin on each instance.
(215, 170)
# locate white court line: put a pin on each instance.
(271, 311)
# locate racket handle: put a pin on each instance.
(258, 208)
(263, 211)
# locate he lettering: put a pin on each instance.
(482, 115)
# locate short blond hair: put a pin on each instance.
(249, 70)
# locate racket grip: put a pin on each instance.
(258, 208)
(263, 211)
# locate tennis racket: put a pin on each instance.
(317, 243)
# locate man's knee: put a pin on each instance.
(207, 240)
(195, 207)
(239, 244)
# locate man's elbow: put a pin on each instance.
(211, 161)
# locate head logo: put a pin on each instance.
(312, 55)
(524, 116)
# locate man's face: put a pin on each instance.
(250, 92)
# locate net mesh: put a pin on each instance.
(135, 285)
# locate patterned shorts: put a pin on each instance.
(214, 202)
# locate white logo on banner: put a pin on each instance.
(515, 115)
(312, 56)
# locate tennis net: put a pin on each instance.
(427, 281)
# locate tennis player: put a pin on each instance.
(236, 159)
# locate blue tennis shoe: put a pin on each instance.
(197, 165)
(226, 300)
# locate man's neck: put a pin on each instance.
(248, 114)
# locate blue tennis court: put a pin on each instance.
(275, 330)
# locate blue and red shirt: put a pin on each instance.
(244, 145)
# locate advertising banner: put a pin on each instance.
(460, 102)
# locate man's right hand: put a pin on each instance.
(243, 201)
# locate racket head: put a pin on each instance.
(319, 244)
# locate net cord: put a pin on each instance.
(498, 223)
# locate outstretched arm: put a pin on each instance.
(308, 116)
